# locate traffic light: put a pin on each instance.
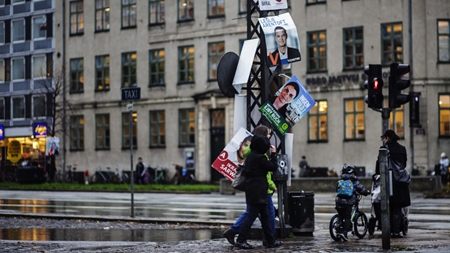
(397, 84)
(374, 85)
(414, 110)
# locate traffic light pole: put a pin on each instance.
(384, 183)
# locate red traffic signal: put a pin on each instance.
(374, 85)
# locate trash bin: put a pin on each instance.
(301, 211)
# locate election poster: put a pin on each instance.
(290, 103)
(270, 5)
(282, 43)
(232, 155)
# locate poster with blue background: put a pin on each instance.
(290, 103)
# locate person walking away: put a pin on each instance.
(304, 167)
(401, 197)
(345, 202)
(141, 169)
(444, 163)
(230, 233)
(256, 167)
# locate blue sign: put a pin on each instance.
(39, 129)
(2, 132)
(132, 93)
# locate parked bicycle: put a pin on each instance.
(103, 176)
(122, 176)
(66, 176)
(183, 175)
(8, 174)
(358, 219)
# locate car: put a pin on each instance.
(30, 172)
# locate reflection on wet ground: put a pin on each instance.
(107, 234)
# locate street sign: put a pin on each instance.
(131, 93)
(130, 107)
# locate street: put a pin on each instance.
(427, 216)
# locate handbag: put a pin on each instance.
(399, 173)
(239, 179)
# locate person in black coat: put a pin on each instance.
(401, 196)
(256, 167)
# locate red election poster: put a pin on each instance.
(232, 155)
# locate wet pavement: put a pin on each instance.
(81, 222)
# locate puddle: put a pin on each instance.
(132, 235)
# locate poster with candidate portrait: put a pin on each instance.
(282, 43)
(290, 103)
(232, 155)
(52, 146)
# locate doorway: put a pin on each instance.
(217, 137)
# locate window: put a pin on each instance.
(353, 48)
(242, 6)
(39, 66)
(186, 122)
(126, 129)
(444, 114)
(18, 30)
(18, 1)
(157, 63)
(128, 13)
(2, 108)
(396, 121)
(18, 69)
(216, 50)
(2, 32)
(156, 12)
(317, 51)
(157, 129)
(185, 10)
(76, 75)
(318, 121)
(38, 31)
(102, 131)
(2, 2)
(392, 43)
(18, 108)
(76, 17)
(102, 80)
(354, 119)
(443, 40)
(102, 11)
(76, 132)
(186, 64)
(129, 70)
(2, 70)
(216, 8)
(39, 106)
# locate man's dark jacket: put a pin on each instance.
(256, 167)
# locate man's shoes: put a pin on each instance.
(229, 234)
(275, 244)
(265, 243)
(244, 245)
(397, 235)
(344, 237)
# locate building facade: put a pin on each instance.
(27, 46)
(171, 50)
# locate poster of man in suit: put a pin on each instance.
(282, 43)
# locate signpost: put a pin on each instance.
(131, 94)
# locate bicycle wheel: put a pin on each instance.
(371, 225)
(335, 227)
(405, 224)
(360, 225)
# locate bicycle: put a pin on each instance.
(358, 219)
(102, 176)
(183, 175)
(67, 176)
(8, 174)
(122, 176)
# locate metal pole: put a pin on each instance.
(384, 183)
(131, 162)
(63, 88)
(410, 61)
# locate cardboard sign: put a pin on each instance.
(227, 161)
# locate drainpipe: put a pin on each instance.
(64, 85)
(411, 70)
